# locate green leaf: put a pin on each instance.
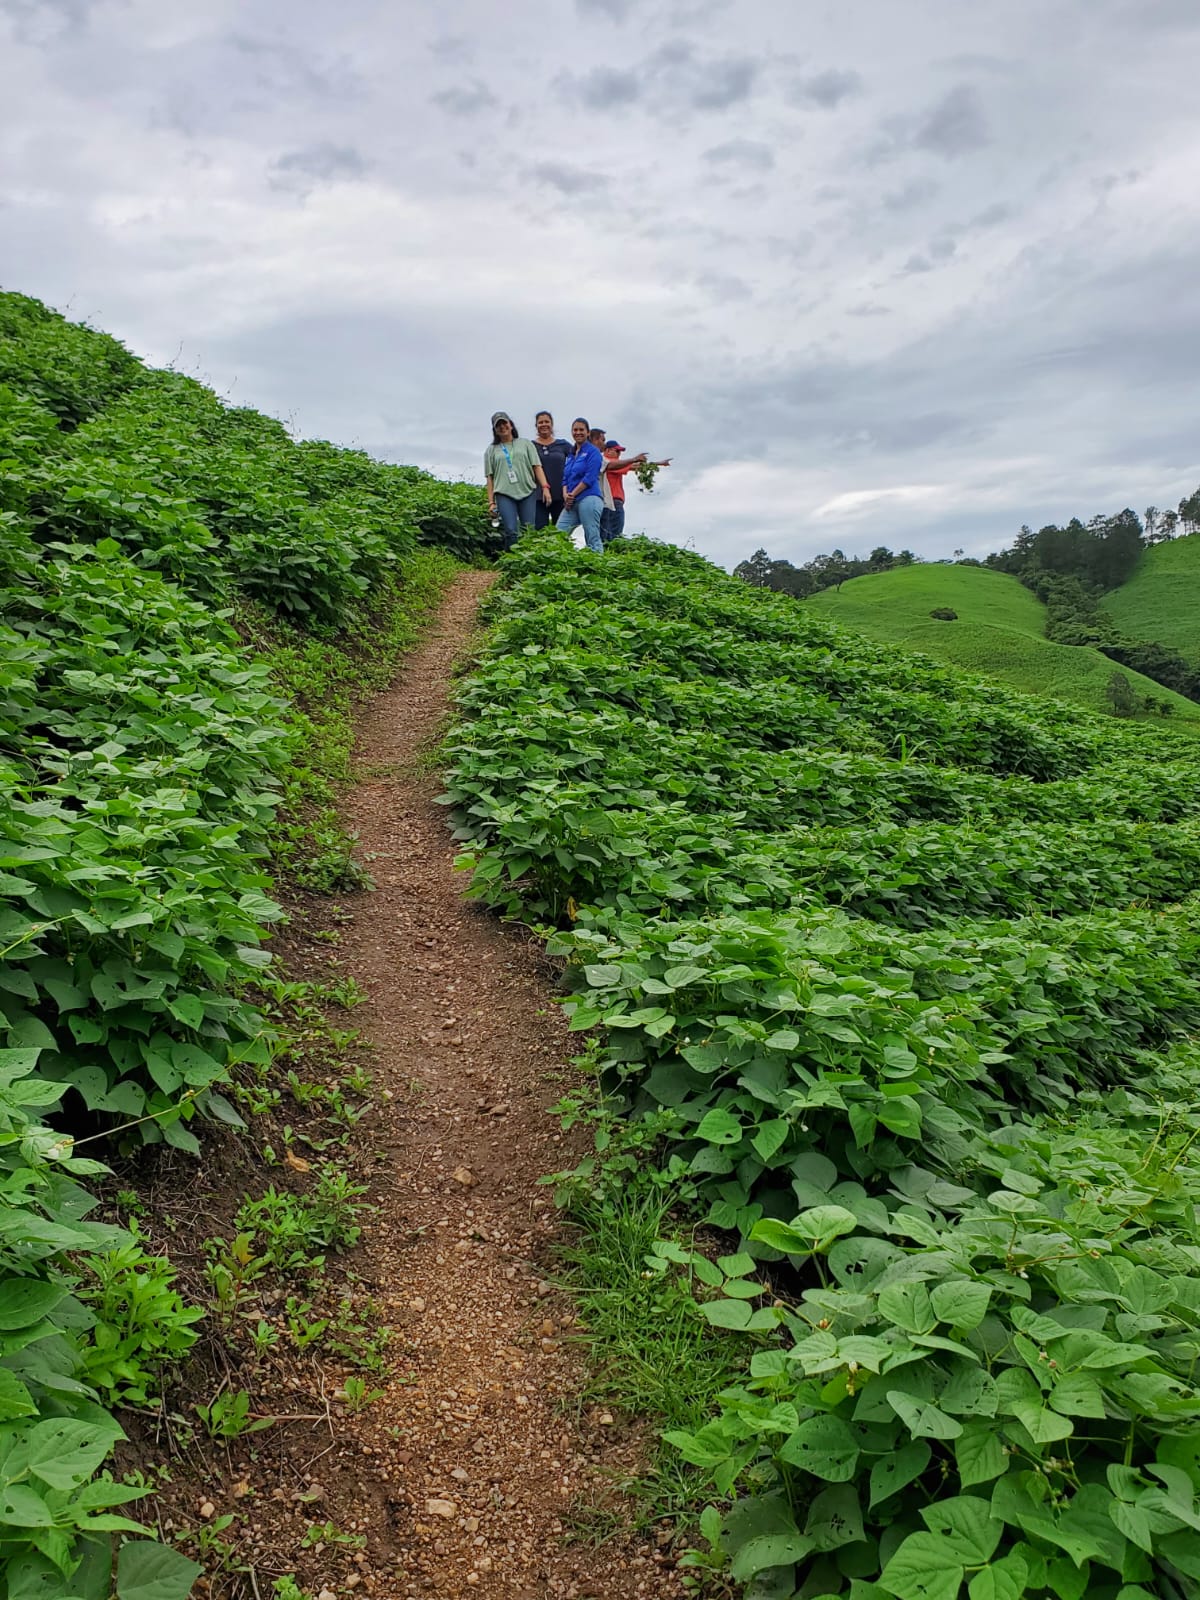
(1000, 1580)
(923, 1568)
(979, 1454)
(966, 1525)
(1134, 1522)
(821, 1225)
(781, 1236)
(1066, 1579)
(603, 977)
(908, 1305)
(921, 1417)
(897, 1469)
(33, 1577)
(147, 1570)
(901, 1116)
(770, 1137)
(825, 1446)
(23, 1507)
(834, 1519)
(15, 1400)
(773, 1550)
(1042, 1425)
(212, 1104)
(720, 1127)
(1077, 1395)
(784, 1039)
(970, 1392)
(64, 1453)
(734, 1314)
(24, 1301)
(962, 1303)
(680, 977)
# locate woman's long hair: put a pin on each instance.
(496, 436)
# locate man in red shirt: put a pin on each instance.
(612, 522)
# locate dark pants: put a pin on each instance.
(612, 523)
(514, 514)
(546, 514)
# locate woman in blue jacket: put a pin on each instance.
(583, 502)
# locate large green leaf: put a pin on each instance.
(719, 1126)
(923, 1568)
(962, 1303)
(825, 1446)
(63, 1452)
(1000, 1580)
(24, 1301)
(15, 1399)
(834, 1518)
(966, 1525)
(922, 1418)
(147, 1570)
(909, 1306)
(897, 1469)
(979, 1454)
(756, 1555)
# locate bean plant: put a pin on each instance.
(150, 535)
(900, 972)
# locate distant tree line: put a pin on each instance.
(822, 572)
(1070, 569)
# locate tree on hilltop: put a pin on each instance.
(756, 571)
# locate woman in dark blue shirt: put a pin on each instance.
(583, 503)
(552, 453)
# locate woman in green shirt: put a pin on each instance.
(514, 476)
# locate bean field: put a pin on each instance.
(890, 978)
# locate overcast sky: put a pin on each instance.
(871, 272)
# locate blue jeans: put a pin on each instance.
(515, 514)
(612, 523)
(587, 511)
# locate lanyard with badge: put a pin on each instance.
(512, 471)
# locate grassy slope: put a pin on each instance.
(1162, 600)
(998, 632)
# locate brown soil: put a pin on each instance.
(467, 1468)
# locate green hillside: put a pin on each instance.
(999, 631)
(888, 979)
(1161, 602)
(190, 601)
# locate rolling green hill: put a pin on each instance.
(999, 631)
(1161, 601)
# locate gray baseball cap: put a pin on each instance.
(500, 416)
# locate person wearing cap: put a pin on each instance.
(612, 523)
(514, 476)
(582, 501)
(608, 486)
(552, 453)
(613, 520)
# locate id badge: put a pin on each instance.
(512, 477)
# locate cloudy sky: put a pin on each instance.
(871, 272)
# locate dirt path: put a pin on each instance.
(473, 1454)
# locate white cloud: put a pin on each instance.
(854, 504)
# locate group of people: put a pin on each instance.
(578, 483)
